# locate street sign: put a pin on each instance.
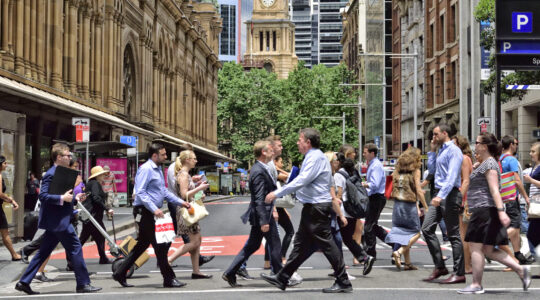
(483, 127)
(522, 22)
(82, 129)
(129, 140)
(482, 121)
(485, 54)
(520, 47)
(519, 61)
(80, 121)
(226, 164)
(536, 133)
(377, 141)
(218, 164)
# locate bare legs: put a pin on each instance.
(357, 236)
(466, 249)
(9, 245)
(193, 247)
(477, 258)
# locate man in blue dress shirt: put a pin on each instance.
(312, 187)
(55, 216)
(375, 184)
(150, 192)
(446, 165)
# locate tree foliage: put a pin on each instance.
(252, 105)
(485, 12)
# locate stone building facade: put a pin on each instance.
(407, 38)
(133, 67)
(441, 48)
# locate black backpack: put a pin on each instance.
(357, 197)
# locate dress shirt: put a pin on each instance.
(312, 185)
(150, 188)
(375, 177)
(271, 167)
(266, 167)
(172, 184)
(447, 168)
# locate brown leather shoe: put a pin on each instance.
(436, 274)
(453, 279)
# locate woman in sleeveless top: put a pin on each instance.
(533, 234)
(188, 191)
(3, 220)
(406, 214)
(466, 169)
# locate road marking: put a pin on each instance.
(250, 290)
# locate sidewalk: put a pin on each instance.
(123, 219)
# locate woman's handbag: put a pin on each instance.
(286, 201)
(200, 212)
(534, 207)
(388, 187)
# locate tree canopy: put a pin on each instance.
(253, 105)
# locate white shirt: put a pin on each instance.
(341, 182)
(312, 185)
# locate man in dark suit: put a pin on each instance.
(259, 214)
(54, 217)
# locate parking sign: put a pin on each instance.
(522, 22)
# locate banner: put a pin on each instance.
(118, 167)
(213, 180)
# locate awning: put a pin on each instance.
(207, 151)
(99, 147)
(32, 93)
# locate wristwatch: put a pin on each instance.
(500, 208)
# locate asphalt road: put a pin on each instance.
(224, 234)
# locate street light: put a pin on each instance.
(342, 118)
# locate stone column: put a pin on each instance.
(19, 36)
(98, 60)
(92, 58)
(65, 59)
(56, 74)
(27, 39)
(86, 53)
(72, 49)
(33, 37)
(41, 37)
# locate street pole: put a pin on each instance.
(136, 154)
(343, 122)
(415, 108)
(87, 162)
(359, 124)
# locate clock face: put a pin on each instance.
(268, 3)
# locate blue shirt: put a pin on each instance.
(447, 168)
(509, 163)
(312, 185)
(375, 177)
(150, 189)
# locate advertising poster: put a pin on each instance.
(118, 167)
(213, 180)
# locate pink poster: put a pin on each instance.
(119, 168)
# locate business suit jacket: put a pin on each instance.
(261, 184)
(54, 214)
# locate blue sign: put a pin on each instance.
(218, 164)
(378, 141)
(520, 47)
(522, 22)
(226, 164)
(129, 140)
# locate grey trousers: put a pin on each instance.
(449, 211)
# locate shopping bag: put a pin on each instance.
(388, 187)
(164, 229)
(199, 212)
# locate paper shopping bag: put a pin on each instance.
(164, 229)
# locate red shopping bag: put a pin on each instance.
(388, 187)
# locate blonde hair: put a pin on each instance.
(179, 163)
(260, 146)
(409, 161)
(536, 146)
(330, 155)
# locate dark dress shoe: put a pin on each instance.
(16, 259)
(105, 261)
(368, 264)
(175, 283)
(337, 288)
(121, 280)
(88, 289)
(25, 287)
(231, 279)
(436, 274)
(24, 257)
(243, 273)
(273, 280)
(454, 279)
(205, 259)
(200, 276)
(42, 277)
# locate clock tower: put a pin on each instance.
(270, 41)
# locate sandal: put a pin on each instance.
(409, 267)
(397, 257)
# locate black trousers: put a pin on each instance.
(449, 211)
(285, 222)
(254, 242)
(314, 229)
(90, 230)
(147, 236)
(347, 233)
(372, 229)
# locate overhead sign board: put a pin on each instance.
(522, 22)
(482, 121)
(129, 140)
(82, 129)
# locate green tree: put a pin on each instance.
(485, 12)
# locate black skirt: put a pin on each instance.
(3, 219)
(486, 228)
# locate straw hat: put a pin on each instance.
(96, 171)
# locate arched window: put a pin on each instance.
(268, 67)
(128, 91)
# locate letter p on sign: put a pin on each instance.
(522, 22)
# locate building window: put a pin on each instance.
(442, 33)
(228, 33)
(274, 40)
(431, 97)
(442, 78)
(455, 78)
(261, 40)
(431, 47)
(453, 25)
(268, 41)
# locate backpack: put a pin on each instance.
(357, 197)
(508, 184)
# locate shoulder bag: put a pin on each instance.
(200, 211)
(286, 201)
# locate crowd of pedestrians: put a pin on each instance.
(476, 196)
